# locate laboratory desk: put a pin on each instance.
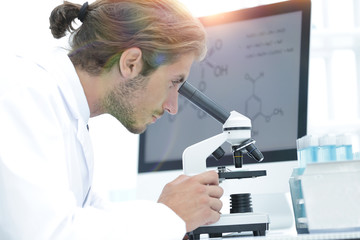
(278, 235)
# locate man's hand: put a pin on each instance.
(195, 199)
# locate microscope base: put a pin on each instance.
(239, 222)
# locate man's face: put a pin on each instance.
(142, 100)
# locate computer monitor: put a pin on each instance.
(257, 64)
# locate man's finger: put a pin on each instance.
(214, 217)
(208, 178)
(215, 191)
(216, 204)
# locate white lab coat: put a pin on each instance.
(46, 163)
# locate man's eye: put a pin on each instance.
(174, 83)
(177, 82)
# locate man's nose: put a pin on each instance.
(171, 103)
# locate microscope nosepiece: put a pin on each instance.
(248, 147)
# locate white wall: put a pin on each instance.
(25, 25)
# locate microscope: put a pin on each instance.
(237, 132)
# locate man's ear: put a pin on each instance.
(130, 63)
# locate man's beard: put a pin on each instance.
(120, 102)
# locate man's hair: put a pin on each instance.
(162, 29)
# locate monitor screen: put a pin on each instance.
(257, 65)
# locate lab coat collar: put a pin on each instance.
(74, 81)
(69, 83)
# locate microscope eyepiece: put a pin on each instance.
(204, 102)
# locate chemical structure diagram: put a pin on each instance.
(205, 65)
(218, 70)
(254, 104)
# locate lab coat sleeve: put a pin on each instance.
(35, 197)
(34, 189)
(141, 219)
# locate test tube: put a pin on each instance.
(327, 148)
(344, 147)
(307, 147)
(356, 146)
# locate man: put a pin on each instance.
(128, 58)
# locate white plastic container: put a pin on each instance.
(331, 193)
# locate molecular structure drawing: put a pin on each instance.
(218, 70)
(206, 65)
(254, 103)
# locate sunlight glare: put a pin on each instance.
(201, 8)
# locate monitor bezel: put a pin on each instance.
(240, 15)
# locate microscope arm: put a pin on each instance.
(236, 131)
(194, 157)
